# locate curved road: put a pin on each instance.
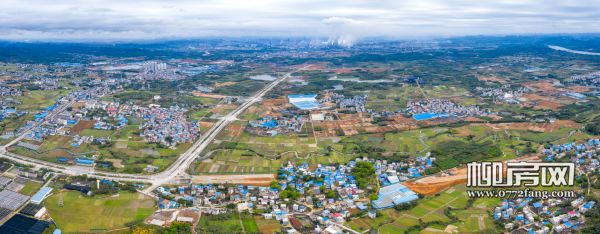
(177, 168)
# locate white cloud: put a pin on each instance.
(346, 20)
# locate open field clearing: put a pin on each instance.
(81, 214)
(30, 188)
(236, 223)
(40, 99)
(82, 125)
(267, 225)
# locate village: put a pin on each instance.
(561, 215)
(165, 126)
(302, 199)
(503, 95)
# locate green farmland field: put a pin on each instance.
(82, 214)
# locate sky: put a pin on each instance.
(98, 20)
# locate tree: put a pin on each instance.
(331, 194)
(275, 185)
(178, 227)
(364, 172)
(289, 193)
(405, 206)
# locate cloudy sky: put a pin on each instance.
(169, 19)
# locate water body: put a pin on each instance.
(357, 80)
(263, 77)
(560, 48)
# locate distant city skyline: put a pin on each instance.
(345, 20)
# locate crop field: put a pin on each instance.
(431, 208)
(428, 209)
(233, 131)
(261, 154)
(511, 141)
(476, 218)
(301, 144)
(199, 114)
(244, 161)
(473, 219)
(267, 225)
(401, 225)
(233, 223)
(272, 146)
(97, 214)
(82, 125)
(366, 223)
(96, 133)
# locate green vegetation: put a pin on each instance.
(228, 223)
(364, 172)
(254, 154)
(290, 193)
(40, 99)
(452, 153)
(592, 218)
(435, 212)
(593, 127)
(128, 152)
(31, 187)
(178, 227)
(99, 213)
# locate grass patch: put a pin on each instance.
(88, 214)
(30, 188)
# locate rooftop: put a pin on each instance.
(392, 195)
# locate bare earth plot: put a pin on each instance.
(246, 179)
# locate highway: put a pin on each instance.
(176, 168)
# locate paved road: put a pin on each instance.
(177, 168)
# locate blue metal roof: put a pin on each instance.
(41, 195)
(84, 161)
(302, 96)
